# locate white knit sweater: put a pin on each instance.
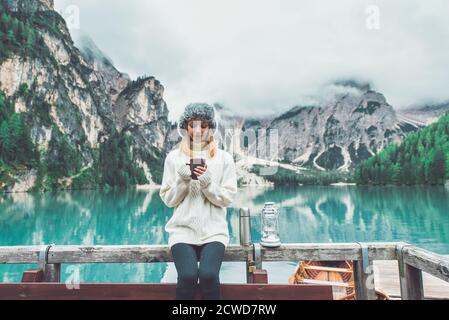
(200, 205)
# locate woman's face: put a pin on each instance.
(198, 127)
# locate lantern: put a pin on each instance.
(270, 226)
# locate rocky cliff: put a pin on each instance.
(74, 101)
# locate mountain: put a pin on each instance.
(424, 114)
(29, 6)
(349, 124)
(422, 158)
(79, 112)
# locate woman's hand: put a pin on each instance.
(199, 171)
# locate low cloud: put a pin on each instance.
(262, 56)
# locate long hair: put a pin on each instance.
(211, 146)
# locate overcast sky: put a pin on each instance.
(256, 56)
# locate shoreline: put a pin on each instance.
(158, 186)
(148, 187)
(343, 184)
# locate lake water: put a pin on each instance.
(418, 215)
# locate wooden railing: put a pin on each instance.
(412, 261)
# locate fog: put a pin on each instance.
(265, 56)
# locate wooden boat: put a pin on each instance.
(339, 274)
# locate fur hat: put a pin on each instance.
(202, 111)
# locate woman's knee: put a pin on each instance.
(188, 277)
(208, 276)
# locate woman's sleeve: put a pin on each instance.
(222, 194)
(175, 184)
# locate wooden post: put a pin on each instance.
(52, 273)
(364, 276)
(260, 276)
(410, 278)
(411, 283)
(250, 268)
(254, 264)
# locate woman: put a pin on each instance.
(198, 229)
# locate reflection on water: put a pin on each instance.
(307, 214)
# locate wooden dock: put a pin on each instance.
(44, 282)
(386, 277)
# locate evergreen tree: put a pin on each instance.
(30, 39)
(422, 158)
(396, 174)
(10, 36)
(437, 168)
(63, 160)
(5, 142)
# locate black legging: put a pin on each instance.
(186, 257)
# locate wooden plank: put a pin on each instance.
(328, 252)
(128, 254)
(330, 269)
(33, 275)
(109, 254)
(427, 261)
(260, 276)
(159, 291)
(161, 253)
(387, 279)
(19, 254)
(324, 282)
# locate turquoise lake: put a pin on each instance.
(418, 215)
